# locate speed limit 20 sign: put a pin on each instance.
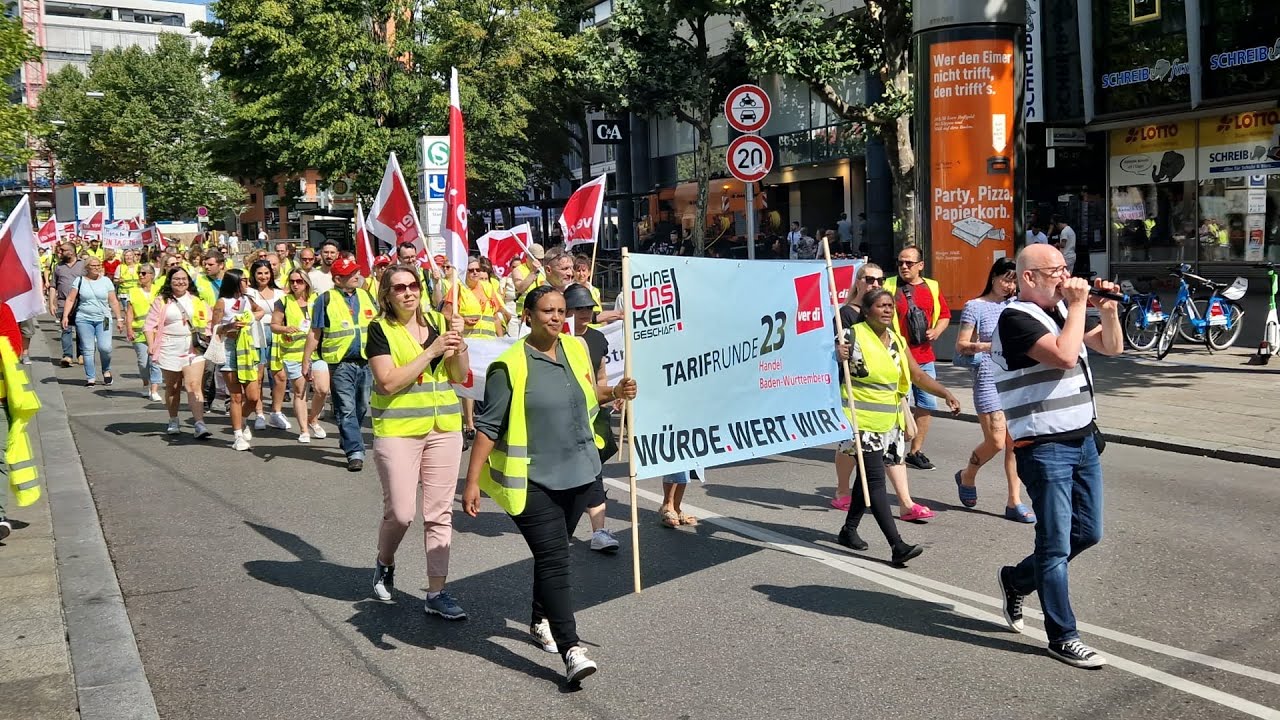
(749, 158)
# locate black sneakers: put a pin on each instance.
(902, 552)
(1012, 600)
(355, 465)
(1076, 654)
(919, 461)
(851, 540)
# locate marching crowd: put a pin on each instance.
(308, 325)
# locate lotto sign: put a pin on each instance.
(747, 108)
(749, 158)
(728, 379)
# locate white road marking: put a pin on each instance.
(913, 585)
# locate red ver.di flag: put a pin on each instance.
(454, 227)
(20, 285)
(504, 247)
(580, 221)
(364, 253)
(94, 226)
(392, 218)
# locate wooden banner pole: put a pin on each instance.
(848, 374)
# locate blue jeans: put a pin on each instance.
(68, 340)
(350, 384)
(924, 400)
(147, 370)
(1064, 480)
(94, 332)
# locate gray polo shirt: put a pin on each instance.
(64, 278)
(562, 449)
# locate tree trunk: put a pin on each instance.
(702, 168)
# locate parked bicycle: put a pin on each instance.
(1215, 321)
(1143, 316)
(1271, 334)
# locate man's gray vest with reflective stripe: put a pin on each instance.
(1041, 400)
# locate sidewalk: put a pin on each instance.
(69, 650)
(1191, 402)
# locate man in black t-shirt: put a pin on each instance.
(1042, 376)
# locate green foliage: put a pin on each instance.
(150, 126)
(337, 85)
(16, 120)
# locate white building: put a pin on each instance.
(75, 29)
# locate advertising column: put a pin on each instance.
(969, 104)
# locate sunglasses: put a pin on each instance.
(297, 281)
(909, 263)
(471, 270)
(400, 288)
(308, 258)
(872, 279)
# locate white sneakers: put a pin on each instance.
(542, 636)
(304, 438)
(241, 441)
(260, 423)
(603, 541)
(248, 434)
(155, 397)
(577, 665)
(318, 431)
(174, 428)
(278, 421)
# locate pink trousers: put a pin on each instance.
(404, 463)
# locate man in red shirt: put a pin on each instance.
(925, 294)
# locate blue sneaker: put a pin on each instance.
(444, 606)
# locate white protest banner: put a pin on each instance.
(483, 351)
(121, 235)
(727, 377)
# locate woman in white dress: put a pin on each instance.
(265, 294)
(175, 316)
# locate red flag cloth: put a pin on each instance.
(844, 282)
(20, 286)
(364, 253)
(580, 221)
(48, 234)
(454, 225)
(95, 224)
(9, 331)
(505, 247)
(392, 218)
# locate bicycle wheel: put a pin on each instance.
(1140, 334)
(1168, 332)
(1221, 337)
(1189, 331)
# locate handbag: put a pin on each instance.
(199, 340)
(909, 427)
(917, 323)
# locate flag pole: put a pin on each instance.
(628, 431)
(848, 375)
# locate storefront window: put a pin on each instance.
(1140, 57)
(1238, 219)
(1154, 222)
(1241, 46)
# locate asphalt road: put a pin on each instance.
(246, 577)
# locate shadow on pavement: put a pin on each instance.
(895, 612)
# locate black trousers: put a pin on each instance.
(548, 520)
(873, 461)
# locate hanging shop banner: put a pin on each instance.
(725, 377)
(972, 114)
(1033, 74)
(1240, 144)
(1149, 154)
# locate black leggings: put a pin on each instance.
(873, 461)
(548, 520)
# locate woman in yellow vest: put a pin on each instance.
(493, 286)
(883, 371)
(536, 455)
(480, 313)
(177, 315)
(291, 322)
(138, 302)
(126, 275)
(414, 353)
(233, 317)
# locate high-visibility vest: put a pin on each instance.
(341, 329)
(99, 253)
(128, 277)
(542, 280)
(1042, 400)
(287, 266)
(21, 405)
(595, 295)
(204, 288)
(878, 396)
(426, 405)
(505, 475)
(477, 305)
(288, 348)
(140, 300)
(891, 285)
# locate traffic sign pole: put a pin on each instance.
(751, 221)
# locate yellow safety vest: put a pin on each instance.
(542, 280)
(878, 396)
(891, 285)
(340, 329)
(505, 475)
(479, 306)
(128, 277)
(595, 295)
(288, 348)
(21, 405)
(204, 288)
(427, 405)
(99, 253)
(140, 300)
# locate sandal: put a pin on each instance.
(968, 495)
(1019, 513)
(688, 520)
(670, 519)
(917, 513)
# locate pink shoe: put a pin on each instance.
(917, 513)
(842, 503)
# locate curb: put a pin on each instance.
(1171, 445)
(110, 681)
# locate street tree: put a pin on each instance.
(16, 119)
(802, 38)
(143, 117)
(659, 58)
(336, 86)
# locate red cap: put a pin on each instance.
(381, 261)
(342, 267)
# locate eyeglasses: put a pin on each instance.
(1052, 271)
(308, 258)
(471, 270)
(909, 263)
(873, 279)
(400, 288)
(297, 281)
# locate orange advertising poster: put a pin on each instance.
(972, 112)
